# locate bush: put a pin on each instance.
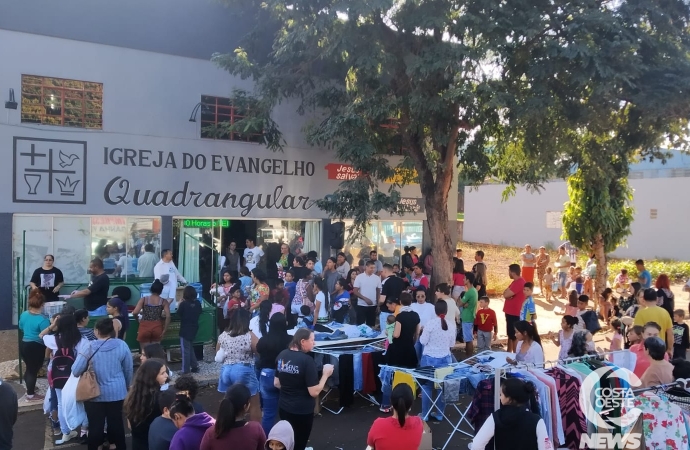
(678, 271)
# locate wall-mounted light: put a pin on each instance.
(12, 103)
(195, 111)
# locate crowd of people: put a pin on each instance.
(268, 374)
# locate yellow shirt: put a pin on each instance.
(657, 315)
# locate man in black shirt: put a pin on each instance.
(96, 295)
(392, 287)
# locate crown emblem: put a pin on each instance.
(67, 186)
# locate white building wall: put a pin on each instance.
(522, 219)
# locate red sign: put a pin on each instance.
(337, 171)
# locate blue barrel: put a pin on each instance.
(145, 289)
(198, 287)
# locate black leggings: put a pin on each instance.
(301, 425)
(98, 413)
(33, 355)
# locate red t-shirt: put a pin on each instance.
(642, 363)
(513, 305)
(458, 279)
(486, 319)
(386, 434)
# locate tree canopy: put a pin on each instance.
(519, 90)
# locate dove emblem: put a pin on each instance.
(67, 160)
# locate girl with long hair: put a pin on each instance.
(118, 310)
(259, 325)
(65, 344)
(269, 347)
(239, 346)
(564, 339)
(571, 309)
(515, 419)
(33, 351)
(222, 293)
(437, 340)
(231, 430)
(401, 431)
(141, 404)
(529, 349)
(191, 426)
(321, 300)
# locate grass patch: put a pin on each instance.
(499, 257)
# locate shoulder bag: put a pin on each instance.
(88, 388)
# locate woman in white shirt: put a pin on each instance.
(426, 312)
(529, 350)
(259, 324)
(438, 338)
(321, 305)
(513, 421)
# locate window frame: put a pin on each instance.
(83, 120)
(230, 111)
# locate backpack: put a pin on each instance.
(591, 321)
(61, 365)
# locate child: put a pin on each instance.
(615, 311)
(190, 425)
(390, 328)
(82, 318)
(572, 309)
(306, 318)
(245, 280)
(189, 312)
(634, 336)
(235, 302)
(617, 339)
(528, 312)
(659, 370)
(548, 283)
(564, 340)
(162, 428)
(280, 297)
(281, 437)
(153, 351)
(484, 323)
(141, 404)
(651, 329)
(290, 284)
(231, 430)
(187, 385)
(681, 336)
(117, 309)
(341, 301)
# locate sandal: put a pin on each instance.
(386, 409)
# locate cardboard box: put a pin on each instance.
(426, 438)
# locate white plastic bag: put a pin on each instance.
(74, 411)
(46, 401)
(220, 355)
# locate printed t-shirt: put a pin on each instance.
(46, 280)
(252, 257)
(512, 305)
(297, 373)
(528, 310)
(486, 319)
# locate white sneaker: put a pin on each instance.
(67, 437)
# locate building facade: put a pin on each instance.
(659, 229)
(101, 157)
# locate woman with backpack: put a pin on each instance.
(66, 343)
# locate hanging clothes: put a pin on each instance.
(572, 417)
(664, 424)
(555, 407)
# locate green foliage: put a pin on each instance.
(678, 271)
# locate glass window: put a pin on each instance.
(388, 238)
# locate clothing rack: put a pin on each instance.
(336, 351)
(500, 372)
(683, 383)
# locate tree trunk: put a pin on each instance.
(436, 204)
(600, 255)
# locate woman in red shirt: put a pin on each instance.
(458, 279)
(401, 431)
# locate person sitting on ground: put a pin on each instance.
(191, 426)
(232, 430)
(281, 437)
(401, 431)
(513, 420)
(162, 428)
(659, 371)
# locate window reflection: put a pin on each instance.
(388, 238)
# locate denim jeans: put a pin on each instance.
(428, 387)
(269, 396)
(100, 311)
(188, 356)
(386, 376)
(61, 412)
(242, 373)
(419, 349)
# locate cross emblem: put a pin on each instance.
(33, 155)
